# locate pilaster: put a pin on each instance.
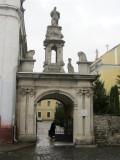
(26, 115)
(84, 133)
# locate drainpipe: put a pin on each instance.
(14, 127)
(15, 140)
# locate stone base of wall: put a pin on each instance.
(84, 140)
(27, 138)
(107, 129)
(6, 134)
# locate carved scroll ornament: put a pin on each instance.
(24, 91)
(85, 91)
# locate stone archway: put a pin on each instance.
(68, 101)
(71, 89)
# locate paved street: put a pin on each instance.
(45, 150)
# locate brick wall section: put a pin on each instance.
(107, 129)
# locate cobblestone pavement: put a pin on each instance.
(45, 150)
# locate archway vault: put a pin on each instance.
(68, 102)
(62, 96)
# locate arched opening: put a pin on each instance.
(53, 105)
(53, 56)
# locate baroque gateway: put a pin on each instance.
(74, 90)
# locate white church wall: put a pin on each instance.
(10, 15)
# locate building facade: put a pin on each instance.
(45, 109)
(108, 66)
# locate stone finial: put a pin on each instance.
(70, 67)
(55, 17)
(29, 54)
(82, 57)
(83, 64)
(27, 63)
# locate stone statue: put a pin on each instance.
(55, 16)
(70, 67)
(82, 57)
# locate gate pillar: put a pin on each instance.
(83, 118)
(26, 117)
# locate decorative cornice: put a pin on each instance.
(55, 41)
(11, 7)
(102, 66)
(28, 60)
(59, 76)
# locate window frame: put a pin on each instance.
(38, 114)
(49, 114)
(48, 103)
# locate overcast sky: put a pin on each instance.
(87, 25)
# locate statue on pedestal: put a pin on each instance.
(55, 17)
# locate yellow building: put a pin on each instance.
(45, 109)
(108, 66)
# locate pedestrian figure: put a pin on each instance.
(52, 130)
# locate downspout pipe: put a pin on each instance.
(14, 130)
(15, 140)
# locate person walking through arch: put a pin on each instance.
(52, 130)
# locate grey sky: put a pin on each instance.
(87, 25)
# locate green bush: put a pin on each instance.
(100, 98)
(114, 100)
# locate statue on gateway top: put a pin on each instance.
(55, 17)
